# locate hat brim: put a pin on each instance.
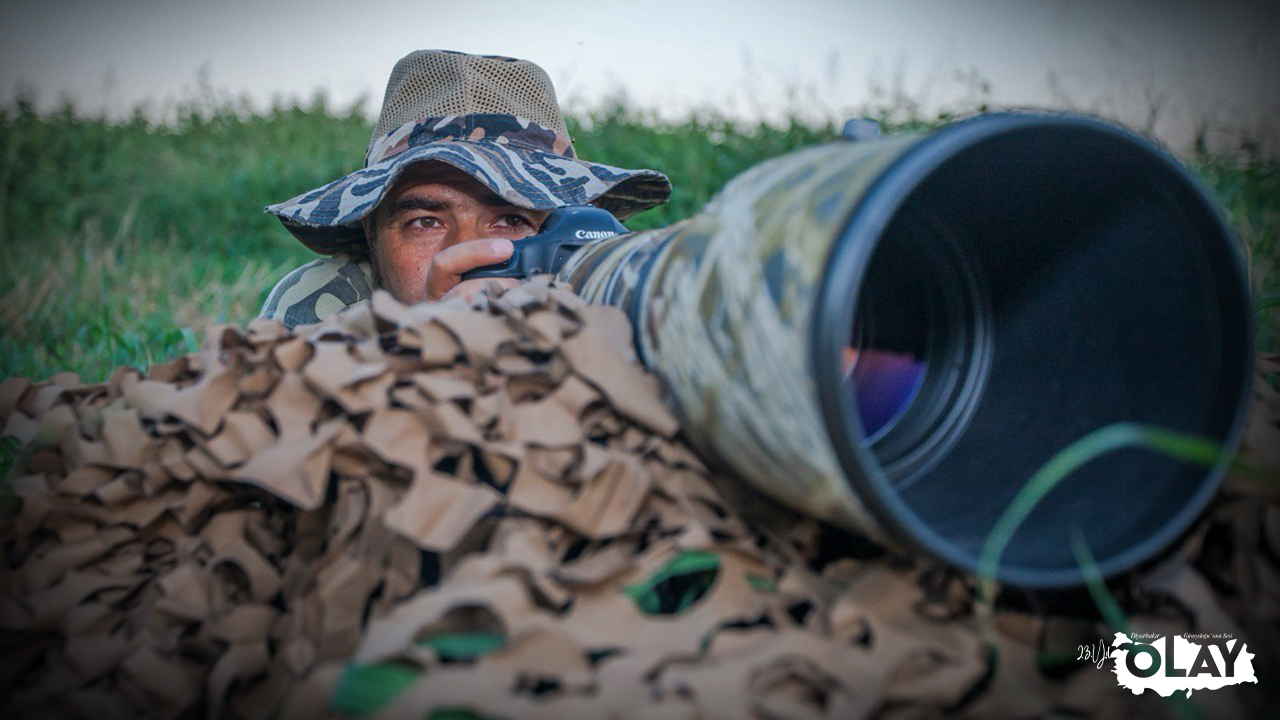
(327, 219)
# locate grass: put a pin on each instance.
(124, 241)
(1057, 469)
(1179, 446)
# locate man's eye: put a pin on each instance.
(424, 222)
(513, 220)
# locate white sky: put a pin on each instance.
(1215, 61)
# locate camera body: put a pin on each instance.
(565, 231)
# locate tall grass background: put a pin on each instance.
(121, 241)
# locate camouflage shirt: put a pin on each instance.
(319, 289)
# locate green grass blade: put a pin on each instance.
(365, 689)
(10, 451)
(1099, 442)
(464, 646)
(9, 447)
(1115, 617)
(1102, 597)
(1177, 445)
(678, 585)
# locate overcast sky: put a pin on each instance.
(1197, 61)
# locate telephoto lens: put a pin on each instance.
(894, 334)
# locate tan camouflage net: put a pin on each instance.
(451, 512)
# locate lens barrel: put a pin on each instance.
(1002, 287)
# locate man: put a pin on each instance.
(469, 155)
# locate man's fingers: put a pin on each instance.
(457, 259)
(468, 288)
(449, 264)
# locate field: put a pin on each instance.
(123, 241)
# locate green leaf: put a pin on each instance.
(678, 585)
(365, 689)
(464, 646)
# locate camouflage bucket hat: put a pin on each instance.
(495, 118)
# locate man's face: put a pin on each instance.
(438, 222)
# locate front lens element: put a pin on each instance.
(883, 384)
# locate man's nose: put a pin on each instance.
(465, 232)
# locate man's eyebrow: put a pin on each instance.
(412, 202)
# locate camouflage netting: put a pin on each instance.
(486, 512)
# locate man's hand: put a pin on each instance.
(444, 277)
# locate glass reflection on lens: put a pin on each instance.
(884, 384)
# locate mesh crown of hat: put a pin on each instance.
(439, 83)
